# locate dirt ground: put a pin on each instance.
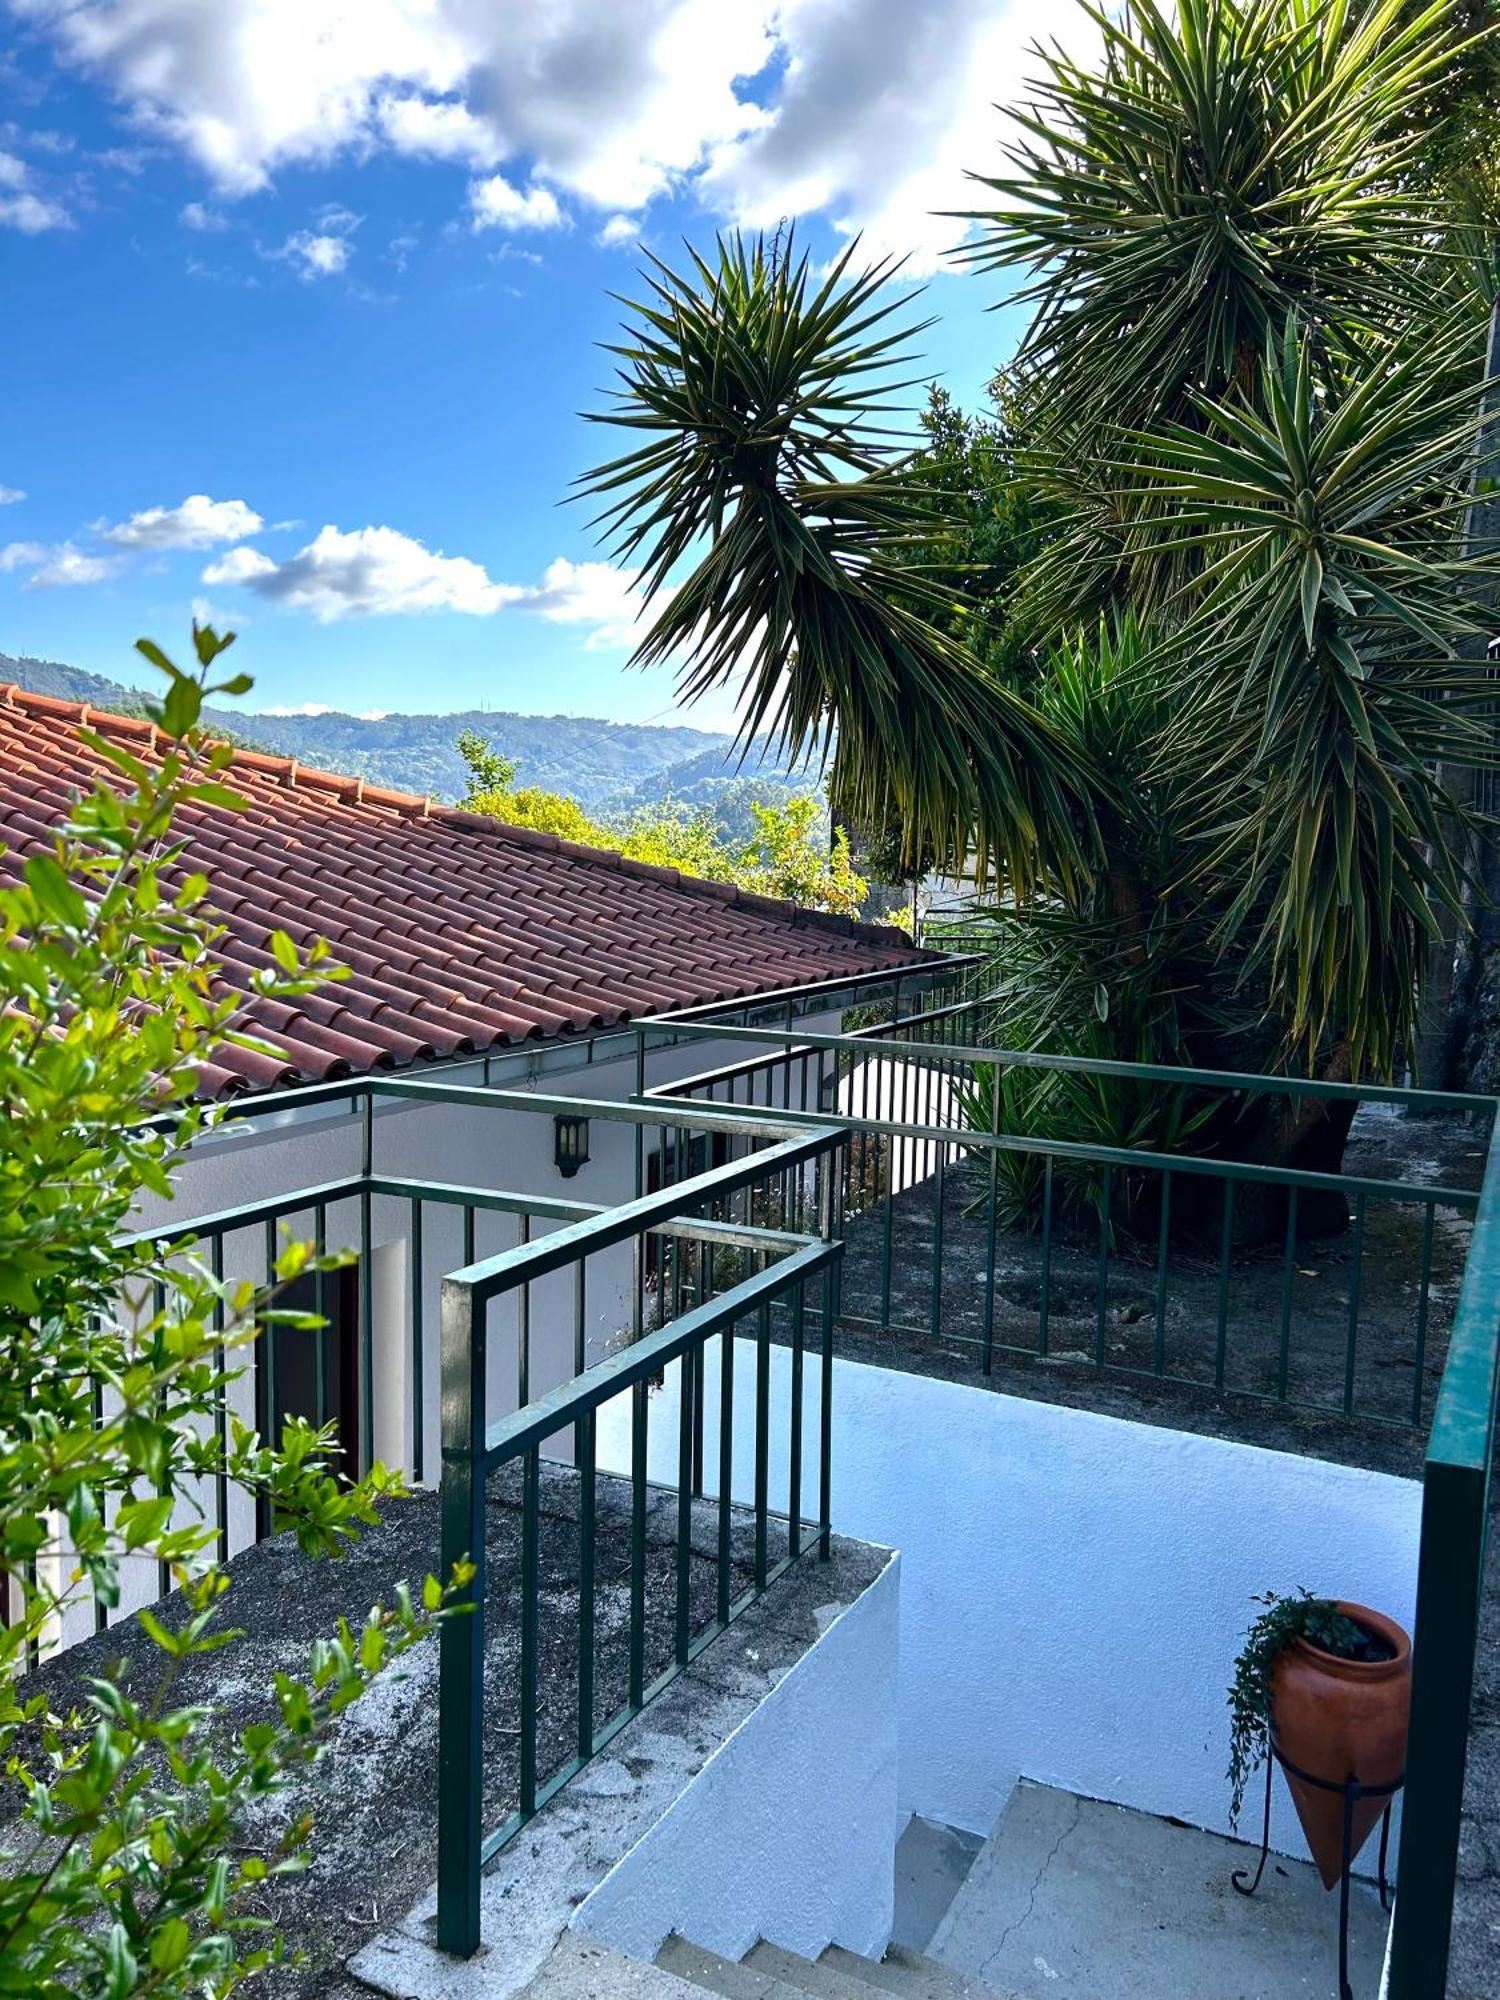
(373, 1794)
(1155, 1355)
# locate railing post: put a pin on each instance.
(825, 1419)
(366, 1381)
(1450, 1579)
(461, 1657)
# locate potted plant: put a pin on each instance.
(1329, 1684)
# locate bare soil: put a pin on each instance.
(373, 1792)
(1147, 1343)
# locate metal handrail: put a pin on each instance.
(1252, 1083)
(473, 1449)
(1457, 1477)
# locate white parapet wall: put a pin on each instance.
(789, 1830)
(1074, 1586)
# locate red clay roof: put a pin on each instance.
(460, 933)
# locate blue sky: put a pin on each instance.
(302, 303)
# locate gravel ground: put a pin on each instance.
(1141, 1347)
(373, 1793)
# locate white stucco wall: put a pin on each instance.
(1075, 1587)
(789, 1830)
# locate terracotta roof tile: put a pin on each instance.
(460, 933)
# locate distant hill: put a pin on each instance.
(607, 766)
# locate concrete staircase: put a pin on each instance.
(1069, 1899)
(766, 1972)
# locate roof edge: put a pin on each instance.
(422, 808)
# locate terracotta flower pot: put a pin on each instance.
(1341, 1720)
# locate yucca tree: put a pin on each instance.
(1228, 162)
(1255, 375)
(1252, 389)
(781, 543)
(1320, 679)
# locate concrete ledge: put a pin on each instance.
(788, 1834)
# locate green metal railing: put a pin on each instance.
(699, 1211)
(927, 1051)
(1456, 1482)
(719, 1253)
(751, 1180)
(248, 1237)
(1173, 1267)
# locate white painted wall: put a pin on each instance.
(1075, 1587)
(789, 1830)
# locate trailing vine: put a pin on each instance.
(1302, 1616)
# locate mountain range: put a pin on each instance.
(611, 768)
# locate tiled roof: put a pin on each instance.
(460, 933)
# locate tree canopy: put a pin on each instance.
(1172, 645)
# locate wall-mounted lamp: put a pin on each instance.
(572, 1147)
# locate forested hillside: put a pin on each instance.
(606, 766)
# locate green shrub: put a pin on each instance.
(126, 1868)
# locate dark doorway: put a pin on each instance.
(313, 1375)
(708, 1150)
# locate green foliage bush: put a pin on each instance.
(126, 1864)
(787, 854)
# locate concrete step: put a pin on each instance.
(1074, 1899)
(842, 1981)
(712, 1974)
(912, 1974)
(579, 1968)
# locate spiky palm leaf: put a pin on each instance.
(770, 468)
(1321, 671)
(1230, 160)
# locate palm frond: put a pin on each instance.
(781, 550)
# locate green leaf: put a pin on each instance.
(182, 706)
(121, 1969)
(284, 952)
(170, 1945)
(56, 894)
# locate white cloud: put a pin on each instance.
(619, 231)
(588, 593)
(239, 566)
(200, 216)
(32, 214)
(56, 567)
(34, 138)
(496, 204)
(198, 523)
(445, 129)
(368, 571)
(866, 111)
(9, 495)
(849, 135)
(316, 255)
(21, 207)
(300, 708)
(379, 572)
